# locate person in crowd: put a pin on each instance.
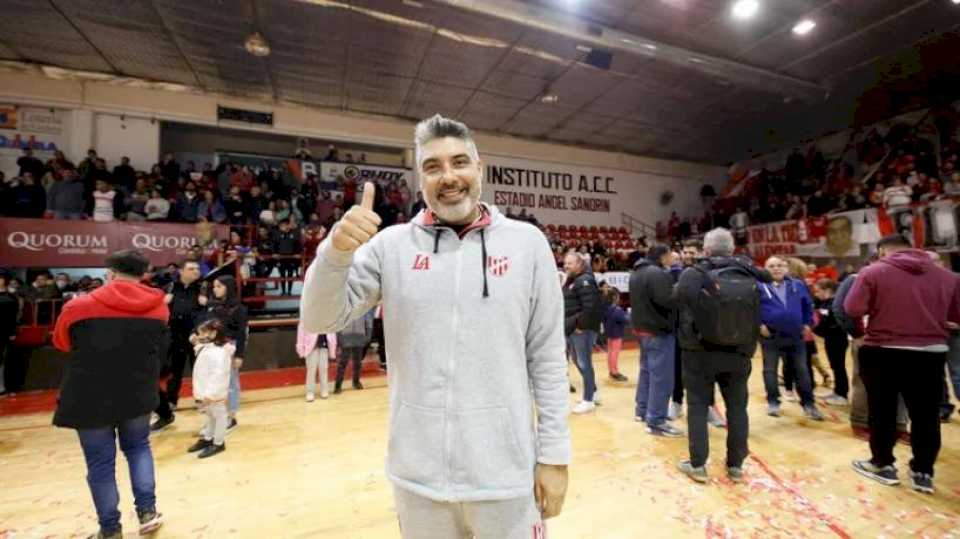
(653, 309)
(353, 340)
(31, 165)
(236, 207)
(325, 207)
(786, 312)
(834, 340)
(614, 325)
(26, 199)
(899, 194)
(582, 314)
(157, 208)
(187, 206)
(137, 201)
(169, 168)
(186, 303)
(211, 380)
(225, 306)
(116, 337)
(264, 249)
(418, 204)
(805, 273)
(316, 350)
(107, 203)
(9, 317)
(719, 312)
(65, 196)
(87, 165)
(63, 284)
(288, 248)
(124, 175)
(487, 402)
(909, 301)
(210, 209)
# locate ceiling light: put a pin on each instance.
(583, 48)
(803, 27)
(257, 45)
(955, 1)
(694, 60)
(548, 97)
(650, 46)
(628, 41)
(745, 9)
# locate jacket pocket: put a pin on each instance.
(486, 453)
(415, 451)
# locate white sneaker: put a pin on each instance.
(324, 394)
(791, 396)
(310, 397)
(596, 398)
(674, 411)
(835, 400)
(714, 418)
(584, 407)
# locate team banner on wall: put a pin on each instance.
(50, 243)
(853, 233)
(22, 127)
(329, 172)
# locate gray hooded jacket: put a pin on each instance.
(475, 330)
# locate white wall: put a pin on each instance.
(651, 175)
(117, 136)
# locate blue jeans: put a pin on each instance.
(233, 395)
(583, 351)
(793, 351)
(655, 385)
(100, 451)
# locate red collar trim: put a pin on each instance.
(429, 219)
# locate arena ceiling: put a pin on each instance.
(686, 79)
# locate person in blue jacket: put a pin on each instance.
(786, 311)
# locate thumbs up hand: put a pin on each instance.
(358, 225)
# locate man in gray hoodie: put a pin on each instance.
(476, 333)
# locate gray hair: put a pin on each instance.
(438, 126)
(718, 242)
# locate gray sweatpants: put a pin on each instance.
(423, 518)
(215, 425)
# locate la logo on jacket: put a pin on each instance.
(421, 263)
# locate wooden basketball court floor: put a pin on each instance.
(297, 469)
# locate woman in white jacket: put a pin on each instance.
(211, 382)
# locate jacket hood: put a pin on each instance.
(129, 297)
(913, 261)
(642, 263)
(717, 262)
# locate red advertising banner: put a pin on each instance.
(81, 244)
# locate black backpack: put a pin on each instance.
(728, 306)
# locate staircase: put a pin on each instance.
(636, 227)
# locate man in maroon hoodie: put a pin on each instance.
(909, 301)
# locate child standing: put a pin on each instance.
(614, 324)
(834, 340)
(211, 382)
(316, 350)
(353, 339)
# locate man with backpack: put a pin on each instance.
(719, 305)
(786, 313)
(654, 318)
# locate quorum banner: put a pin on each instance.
(51, 243)
(564, 194)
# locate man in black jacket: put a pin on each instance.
(9, 313)
(654, 320)
(116, 337)
(706, 364)
(582, 312)
(186, 303)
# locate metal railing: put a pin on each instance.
(636, 226)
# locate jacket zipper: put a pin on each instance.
(451, 365)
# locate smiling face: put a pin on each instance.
(450, 179)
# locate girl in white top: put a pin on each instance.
(211, 382)
(157, 208)
(103, 202)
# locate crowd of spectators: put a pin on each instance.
(893, 171)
